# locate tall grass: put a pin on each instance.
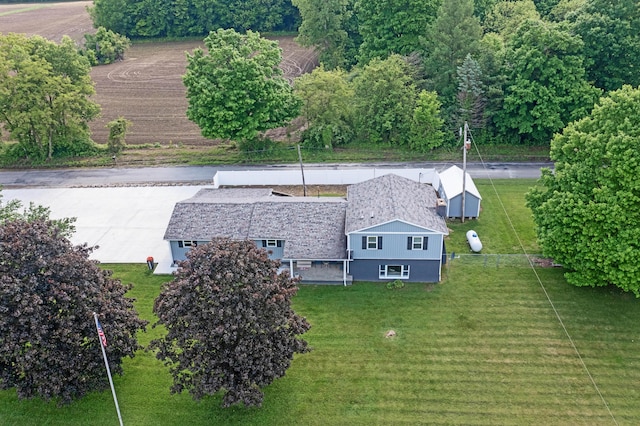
(484, 347)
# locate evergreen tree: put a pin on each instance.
(470, 93)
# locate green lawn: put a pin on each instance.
(484, 346)
(494, 226)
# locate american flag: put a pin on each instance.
(103, 338)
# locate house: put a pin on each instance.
(393, 230)
(450, 190)
(387, 228)
(301, 232)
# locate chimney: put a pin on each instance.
(441, 207)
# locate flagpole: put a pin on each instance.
(103, 343)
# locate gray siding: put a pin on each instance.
(180, 253)
(419, 270)
(275, 253)
(471, 207)
(394, 246)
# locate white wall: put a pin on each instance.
(318, 176)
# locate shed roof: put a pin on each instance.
(391, 197)
(313, 228)
(451, 182)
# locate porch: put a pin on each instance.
(316, 272)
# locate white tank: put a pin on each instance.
(474, 241)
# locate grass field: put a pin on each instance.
(484, 346)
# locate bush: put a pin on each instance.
(79, 148)
(326, 136)
(395, 284)
(256, 145)
(105, 46)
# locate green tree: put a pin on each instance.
(327, 101)
(330, 27)
(13, 210)
(587, 211)
(546, 87)
(117, 134)
(229, 322)
(610, 31)
(236, 90)
(545, 6)
(105, 46)
(49, 290)
(45, 91)
(115, 15)
(471, 98)
(180, 18)
(392, 26)
(505, 17)
(491, 60)
(565, 10)
(455, 33)
(482, 7)
(426, 127)
(384, 98)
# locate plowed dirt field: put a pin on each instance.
(146, 88)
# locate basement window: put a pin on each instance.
(394, 271)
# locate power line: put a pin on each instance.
(532, 266)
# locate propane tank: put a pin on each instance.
(474, 241)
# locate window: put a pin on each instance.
(187, 243)
(272, 243)
(394, 271)
(417, 243)
(371, 242)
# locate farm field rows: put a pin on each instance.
(146, 88)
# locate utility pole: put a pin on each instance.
(304, 186)
(466, 145)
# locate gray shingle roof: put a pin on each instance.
(391, 197)
(313, 228)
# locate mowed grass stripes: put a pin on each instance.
(483, 347)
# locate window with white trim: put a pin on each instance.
(371, 242)
(187, 243)
(417, 243)
(271, 243)
(394, 271)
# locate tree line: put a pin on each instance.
(187, 18)
(517, 71)
(405, 74)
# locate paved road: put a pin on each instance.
(204, 174)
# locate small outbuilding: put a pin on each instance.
(450, 190)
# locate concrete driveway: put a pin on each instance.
(128, 223)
